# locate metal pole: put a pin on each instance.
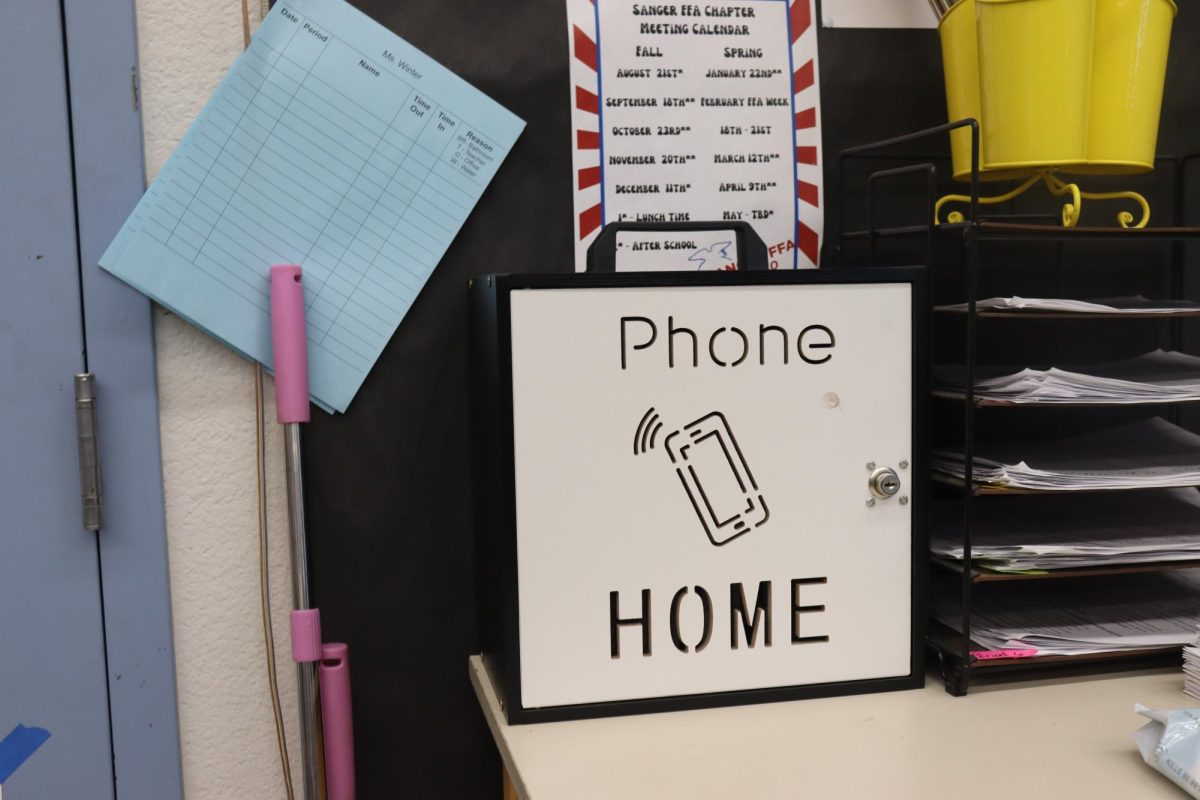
(306, 672)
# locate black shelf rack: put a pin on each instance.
(895, 162)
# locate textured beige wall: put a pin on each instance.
(207, 411)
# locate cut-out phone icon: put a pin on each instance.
(714, 473)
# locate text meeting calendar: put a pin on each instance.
(331, 143)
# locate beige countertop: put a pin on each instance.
(1063, 738)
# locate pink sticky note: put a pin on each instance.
(990, 655)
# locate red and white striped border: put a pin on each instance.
(585, 116)
(806, 99)
(806, 84)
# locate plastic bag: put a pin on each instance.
(1170, 743)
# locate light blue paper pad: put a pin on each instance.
(331, 143)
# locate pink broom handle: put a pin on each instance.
(290, 345)
(339, 726)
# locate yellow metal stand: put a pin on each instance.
(1070, 211)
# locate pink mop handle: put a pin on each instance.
(289, 341)
(338, 722)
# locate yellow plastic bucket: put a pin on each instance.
(1071, 85)
(1035, 59)
(1129, 67)
(960, 63)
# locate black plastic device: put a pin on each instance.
(751, 252)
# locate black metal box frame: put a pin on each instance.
(494, 483)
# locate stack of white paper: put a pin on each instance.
(1136, 304)
(1155, 377)
(1028, 533)
(1191, 669)
(1139, 455)
(1078, 617)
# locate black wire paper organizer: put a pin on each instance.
(953, 650)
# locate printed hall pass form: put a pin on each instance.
(333, 144)
(698, 112)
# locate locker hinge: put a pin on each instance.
(91, 492)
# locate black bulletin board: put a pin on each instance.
(388, 483)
